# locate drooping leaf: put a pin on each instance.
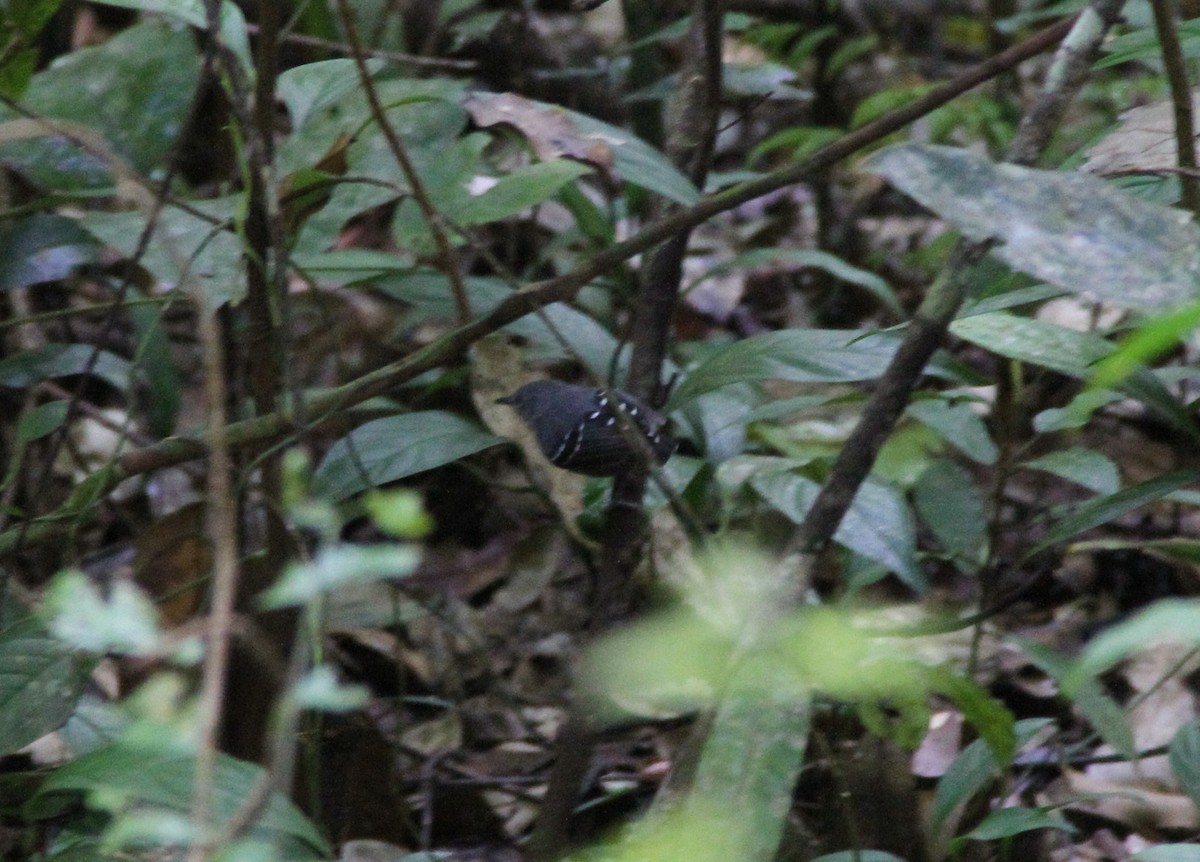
(135, 90)
(130, 774)
(958, 424)
(798, 355)
(1007, 822)
(951, 505)
(312, 87)
(391, 448)
(1070, 229)
(42, 248)
(42, 680)
(1170, 620)
(30, 367)
(187, 250)
(1086, 467)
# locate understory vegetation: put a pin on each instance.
(915, 284)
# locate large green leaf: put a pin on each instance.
(232, 21)
(42, 248)
(135, 90)
(1170, 620)
(128, 774)
(394, 447)
(517, 191)
(798, 355)
(1070, 229)
(309, 89)
(201, 255)
(41, 680)
(951, 505)
(30, 367)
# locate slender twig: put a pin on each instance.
(1181, 102)
(394, 56)
(221, 527)
(432, 217)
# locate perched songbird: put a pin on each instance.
(578, 431)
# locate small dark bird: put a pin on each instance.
(578, 431)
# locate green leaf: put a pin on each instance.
(1070, 229)
(958, 424)
(635, 160)
(201, 255)
(691, 664)
(43, 679)
(339, 566)
(43, 248)
(518, 191)
(309, 89)
(233, 22)
(1069, 352)
(42, 420)
(1184, 757)
(1151, 339)
(878, 524)
(808, 259)
(139, 86)
(1112, 506)
(130, 776)
(992, 719)
(951, 505)
(1171, 620)
(797, 355)
(30, 367)
(388, 449)
(859, 856)
(1086, 467)
(1066, 351)
(1008, 822)
(1087, 695)
(973, 769)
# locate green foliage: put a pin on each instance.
(523, 189)
(392, 448)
